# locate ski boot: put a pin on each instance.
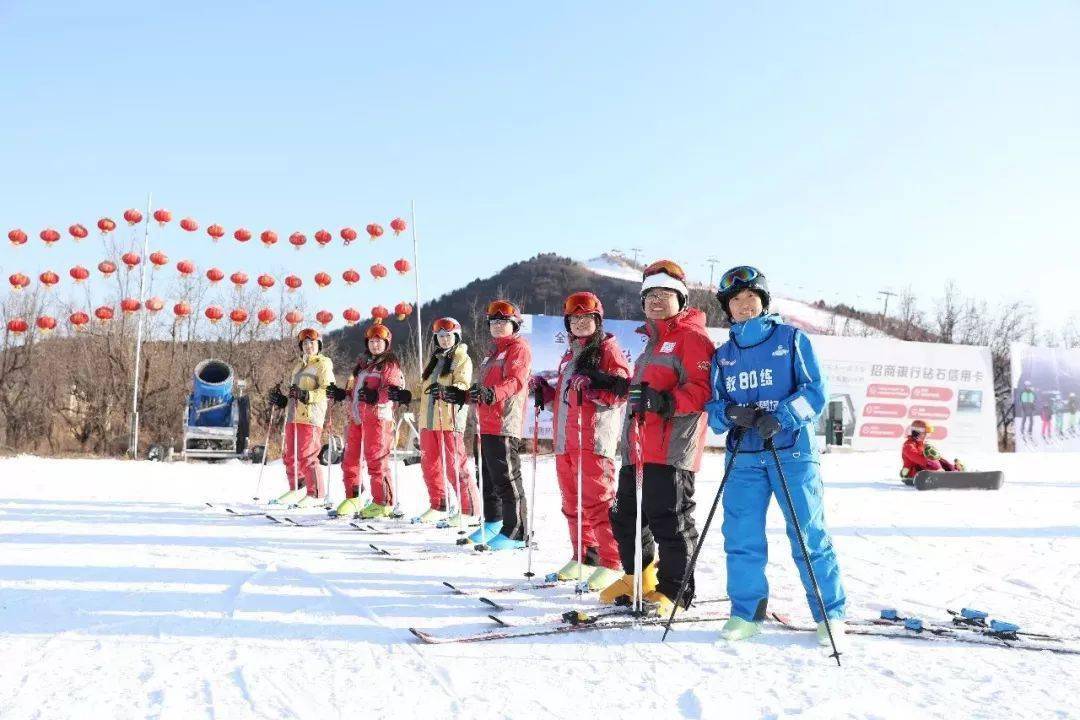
(659, 604)
(502, 542)
(602, 577)
(310, 501)
(349, 508)
(573, 570)
(625, 585)
(431, 516)
(486, 532)
(462, 519)
(374, 510)
(738, 629)
(291, 498)
(839, 629)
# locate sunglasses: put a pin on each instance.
(742, 275)
(668, 267)
(582, 303)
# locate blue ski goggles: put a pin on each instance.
(738, 276)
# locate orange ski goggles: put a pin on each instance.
(502, 309)
(307, 334)
(583, 303)
(668, 267)
(378, 331)
(446, 325)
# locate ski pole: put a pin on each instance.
(639, 483)
(532, 491)
(580, 457)
(266, 451)
(396, 512)
(802, 545)
(692, 563)
(478, 450)
(329, 456)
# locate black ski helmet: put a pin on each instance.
(739, 278)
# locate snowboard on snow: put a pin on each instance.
(937, 480)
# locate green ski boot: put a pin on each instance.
(291, 498)
(738, 629)
(349, 508)
(310, 501)
(603, 577)
(374, 510)
(839, 629)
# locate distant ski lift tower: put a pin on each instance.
(885, 308)
(712, 267)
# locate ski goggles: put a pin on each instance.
(583, 303)
(736, 276)
(668, 267)
(446, 325)
(307, 334)
(502, 309)
(378, 330)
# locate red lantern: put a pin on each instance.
(350, 276)
(325, 317)
(18, 281)
(402, 266)
(378, 271)
(181, 309)
(242, 235)
(214, 313)
(155, 304)
(106, 267)
(297, 240)
(162, 216)
(17, 237)
(189, 224)
(266, 282)
(214, 275)
(323, 238)
(348, 234)
(402, 310)
(379, 313)
(130, 259)
(49, 236)
(106, 226)
(322, 280)
(351, 315)
(79, 273)
(48, 278)
(185, 267)
(375, 231)
(398, 225)
(268, 237)
(159, 259)
(294, 317)
(293, 283)
(238, 279)
(130, 305)
(104, 314)
(239, 316)
(133, 217)
(46, 324)
(78, 319)
(17, 326)
(216, 232)
(266, 316)
(78, 232)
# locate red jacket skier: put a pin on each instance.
(375, 384)
(921, 455)
(587, 402)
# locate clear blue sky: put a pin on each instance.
(842, 147)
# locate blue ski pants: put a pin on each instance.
(752, 483)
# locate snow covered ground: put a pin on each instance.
(121, 596)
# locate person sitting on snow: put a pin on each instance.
(921, 455)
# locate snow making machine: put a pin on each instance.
(216, 421)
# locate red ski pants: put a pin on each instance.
(301, 457)
(373, 438)
(446, 449)
(597, 495)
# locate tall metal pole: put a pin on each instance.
(416, 277)
(133, 448)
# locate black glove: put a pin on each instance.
(399, 395)
(643, 398)
(335, 393)
(276, 398)
(453, 394)
(368, 394)
(600, 380)
(744, 416)
(482, 394)
(299, 395)
(767, 425)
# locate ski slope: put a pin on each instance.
(122, 596)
